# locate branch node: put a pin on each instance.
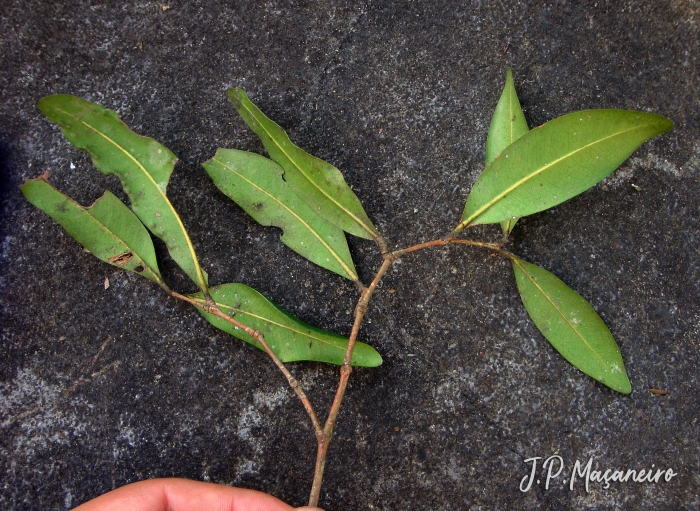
(210, 306)
(382, 244)
(361, 308)
(394, 256)
(448, 237)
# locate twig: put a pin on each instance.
(211, 307)
(325, 435)
(492, 246)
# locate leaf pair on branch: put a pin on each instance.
(530, 171)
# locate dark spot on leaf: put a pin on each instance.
(258, 206)
(139, 269)
(121, 259)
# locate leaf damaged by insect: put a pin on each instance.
(317, 182)
(107, 229)
(142, 164)
(255, 183)
(527, 171)
(121, 259)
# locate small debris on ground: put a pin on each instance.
(106, 283)
(658, 392)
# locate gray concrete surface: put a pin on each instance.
(99, 388)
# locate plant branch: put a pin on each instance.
(493, 246)
(212, 308)
(325, 435)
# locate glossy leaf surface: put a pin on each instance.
(557, 161)
(317, 182)
(291, 339)
(108, 229)
(255, 183)
(571, 325)
(507, 125)
(142, 164)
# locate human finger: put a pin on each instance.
(183, 495)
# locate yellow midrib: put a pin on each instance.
(280, 325)
(527, 274)
(127, 248)
(510, 108)
(301, 220)
(498, 197)
(202, 283)
(359, 221)
(511, 96)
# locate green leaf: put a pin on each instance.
(556, 161)
(142, 164)
(317, 182)
(255, 183)
(508, 124)
(292, 340)
(571, 325)
(108, 229)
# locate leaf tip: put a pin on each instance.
(368, 357)
(236, 96)
(623, 386)
(666, 124)
(46, 104)
(509, 76)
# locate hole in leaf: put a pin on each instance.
(121, 259)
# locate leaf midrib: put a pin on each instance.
(498, 197)
(352, 215)
(305, 334)
(323, 242)
(115, 236)
(511, 123)
(190, 247)
(527, 274)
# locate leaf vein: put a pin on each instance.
(190, 247)
(352, 215)
(310, 229)
(583, 339)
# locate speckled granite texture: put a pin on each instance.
(101, 387)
